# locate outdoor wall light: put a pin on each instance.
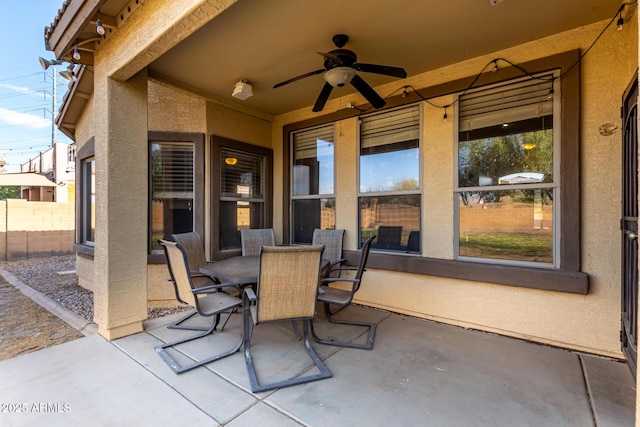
(339, 76)
(242, 90)
(46, 63)
(68, 73)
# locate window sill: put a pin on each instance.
(568, 281)
(85, 251)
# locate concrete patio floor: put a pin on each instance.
(418, 373)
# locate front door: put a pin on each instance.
(629, 225)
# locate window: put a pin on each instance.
(88, 198)
(507, 189)
(565, 274)
(242, 201)
(312, 182)
(390, 190)
(176, 186)
(241, 182)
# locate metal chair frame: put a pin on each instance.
(208, 301)
(329, 296)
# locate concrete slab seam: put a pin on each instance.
(587, 387)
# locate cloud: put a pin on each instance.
(27, 120)
(21, 89)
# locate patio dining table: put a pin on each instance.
(240, 270)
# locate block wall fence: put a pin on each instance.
(35, 229)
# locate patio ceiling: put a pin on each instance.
(267, 42)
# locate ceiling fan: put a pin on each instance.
(340, 66)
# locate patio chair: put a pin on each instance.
(389, 237)
(209, 300)
(286, 291)
(332, 242)
(192, 245)
(341, 298)
(254, 238)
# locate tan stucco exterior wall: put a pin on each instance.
(589, 323)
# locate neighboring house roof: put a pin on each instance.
(25, 179)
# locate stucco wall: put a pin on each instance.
(589, 323)
(585, 322)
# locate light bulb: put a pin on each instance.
(444, 118)
(620, 22)
(495, 67)
(99, 27)
(76, 53)
(550, 95)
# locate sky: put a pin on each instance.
(26, 99)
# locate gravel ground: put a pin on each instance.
(55, 277)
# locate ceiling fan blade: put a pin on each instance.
(367, 91)
(381, 69)
(322, 98)
(286, 82)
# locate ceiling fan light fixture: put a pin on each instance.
(339, 76)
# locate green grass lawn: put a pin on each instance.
(514, 246)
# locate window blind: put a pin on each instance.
(390, 127)
(172, 170)
(306, 143)
(505, 104)
(241, 174)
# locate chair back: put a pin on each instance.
(332, 242)
(288, 283)
(389, 237)
(192, 245)
(179, 270)
(254, 238)
(362, 263)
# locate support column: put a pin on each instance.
(120, 256)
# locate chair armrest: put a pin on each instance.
(329, 280)
(250, 295)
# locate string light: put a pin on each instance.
(76, 53)
(99, 27)
(620, 22)
(495, 69)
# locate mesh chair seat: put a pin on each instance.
(335, 296)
